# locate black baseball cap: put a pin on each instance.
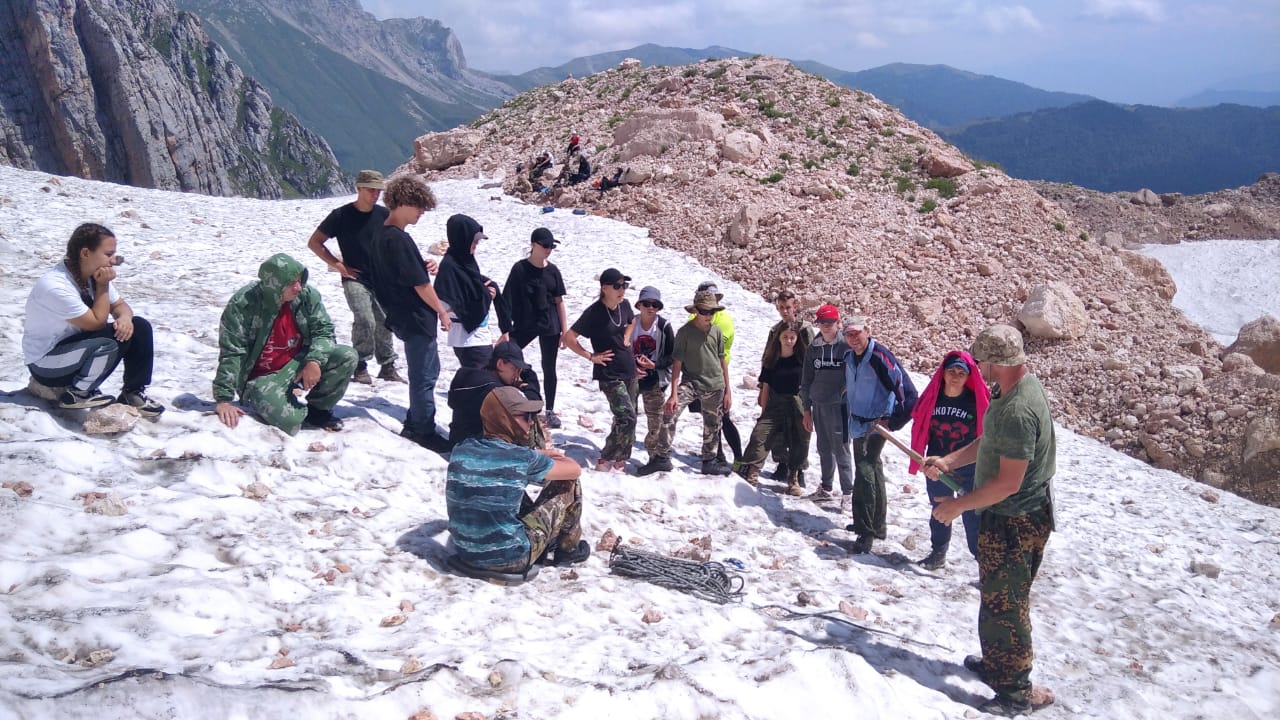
(510, 352)
(613, 275)
(543, 237)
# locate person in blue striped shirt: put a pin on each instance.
(493, 522)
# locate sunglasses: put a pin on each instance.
(825, 322)
(621, 285)
(648, 304)
(705, 313)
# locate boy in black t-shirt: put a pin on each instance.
(607, 323)
(403, 287)
(354, 225)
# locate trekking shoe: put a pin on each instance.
(935, 560)
(794, 488)
(1005, 706)
(821, 495)
(145, 406)
(574, 556)
(655, 465)
(846, 503)
(862, 545)
(361, 375)
(716, 467)
(740, 469)
(753, 476)
(619, 466)
(388, 373)
(552, 420)
(74, 399)
(435, 442)
(603, 465)
(321, 419)
(781, 472)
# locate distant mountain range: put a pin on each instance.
(649, 54)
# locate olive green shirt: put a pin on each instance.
(1018, 426)
(699, 354)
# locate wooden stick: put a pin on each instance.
(888, 435)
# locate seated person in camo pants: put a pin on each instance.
(494, 524)
(275, 344)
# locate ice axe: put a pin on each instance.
(888, 435)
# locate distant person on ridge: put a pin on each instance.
(276, 351)
(353, 225)
(77, 328)
(577, 168)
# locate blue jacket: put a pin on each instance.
(875, 387)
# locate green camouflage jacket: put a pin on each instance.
(247, 319)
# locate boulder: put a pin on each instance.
(439, 151)
(742, 228)
(1054, 311)
(630, 64)
(741, 147)
(111, 419)
(653, 132)
(636, 174)
(1260, 340)
(1218, 210)
(1113, 239)
(1260, 460)
(945, 163)
(1150, 269)
(1145, 197)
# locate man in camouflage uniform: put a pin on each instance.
(276, 350)
(700, 371)
(1013, 491)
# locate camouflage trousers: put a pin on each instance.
(271, 395)
(660, 427)
(712, 404)
(622, 435)
(780, 425)
(369, 333)
(1010, 549)
(556, 516)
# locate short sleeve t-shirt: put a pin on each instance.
(396, 268)
(532, 291)
(354, 230)
(954, 423)
(53, 302)
(1018, 426)
(784, 377)
(283, 343)
(699, 354)
(606, 329)
(483, 491)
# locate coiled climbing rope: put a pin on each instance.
(708, 580)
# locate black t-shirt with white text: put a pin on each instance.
(954, 423)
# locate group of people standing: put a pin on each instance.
(278, 354)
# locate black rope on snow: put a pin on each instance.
(836, 617)
(708, 581)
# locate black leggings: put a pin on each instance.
(549, 347)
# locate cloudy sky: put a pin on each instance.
(1133, 51)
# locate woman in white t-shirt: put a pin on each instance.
(78, 328)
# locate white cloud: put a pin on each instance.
(1013, 18)
(1144, 10)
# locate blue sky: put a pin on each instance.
(1131, 51)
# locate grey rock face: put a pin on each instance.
(134, 92)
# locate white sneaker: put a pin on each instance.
(846, 503)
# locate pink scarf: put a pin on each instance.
(922, 415)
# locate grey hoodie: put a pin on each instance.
(822, 380)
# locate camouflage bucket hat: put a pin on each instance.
(370, 179)
(704, 300)
(999, 345)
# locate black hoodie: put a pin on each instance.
(460, 283)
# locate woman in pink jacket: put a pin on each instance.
(948, 416)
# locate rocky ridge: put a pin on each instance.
(780, 179)
(134, 92)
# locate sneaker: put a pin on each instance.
(716, 467)
(821, 494)
(935, 560)
(862, 545)
(321, 419)
(655, 465)
(603, 465)
(361, 375)
(74, 399)
(846, 503)
(389, 373)
(552, 420)
(145, 406)
(574, 556)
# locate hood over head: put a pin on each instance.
(275, 274)
(461, 232)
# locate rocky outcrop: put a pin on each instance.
(440, 151)
(134, 92)
(840, 208)
(1260, 340)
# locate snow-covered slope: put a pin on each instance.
(198, 591)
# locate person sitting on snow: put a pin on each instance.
(276, 350)
(494, 525)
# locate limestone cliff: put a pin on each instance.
(133, 91)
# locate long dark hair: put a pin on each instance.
(86, 237)
(774, 351)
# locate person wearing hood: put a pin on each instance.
(876, 388)
(947, 417)
(276, 350)
(468, 295)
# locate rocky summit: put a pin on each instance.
(134, 92)
(781, 179)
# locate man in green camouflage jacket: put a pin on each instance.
(276, 350)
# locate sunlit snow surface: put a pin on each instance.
(197, 590)
(1223, 284)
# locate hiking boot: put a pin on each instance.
(846, 503)
(552, 420)
(800, 477)
(619, 466)
(361, 375)
(435, 442)
(388, 373)
(716, 467)
(603, 465)
(781, 472)
(793, 484)
(821, 495)
(1007, 706)
(655, 465)
(753, 476)
(321, 419)
(73, 399)
(574, 556)
(145, 406)
(862, 545)
(935, 560)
